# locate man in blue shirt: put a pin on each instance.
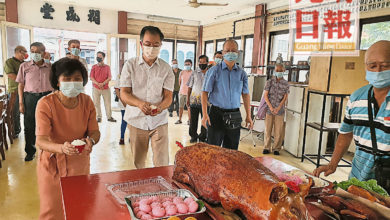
(356, 122)
(223, 86)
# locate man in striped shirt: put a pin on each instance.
(356, 123)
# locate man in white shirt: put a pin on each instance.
(146, 85)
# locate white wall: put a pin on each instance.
(29, 14)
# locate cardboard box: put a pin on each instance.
(337, 74)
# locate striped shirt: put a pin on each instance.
(356, 121)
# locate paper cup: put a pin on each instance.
(154, 109)
(80, 148)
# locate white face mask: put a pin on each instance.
(151, 52)
(71, 89)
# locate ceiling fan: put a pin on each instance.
(196, 4)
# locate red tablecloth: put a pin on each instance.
(86, 197)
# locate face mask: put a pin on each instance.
(230, 56)
(202, 66)
(378, 79)
(278, 74)
(47, 60)
(175, 66)
(151, 52)
(187, 67)
(71, 89)
(75, 51)
(217, 60)
(36, 57)
(99, 59)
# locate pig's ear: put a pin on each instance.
(305, 188)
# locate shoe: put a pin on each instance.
(170, 114)
(178, 122)
(29, 157)
(193, 140)
(111, 120)
(265, 151)
(99, 120)
(121, 141)
(15, 136)
(188, 122)
(276, 152)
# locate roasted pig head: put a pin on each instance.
(238, 182)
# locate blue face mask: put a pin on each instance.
(218, 60)
(36, 57)
(378, 79)
(187, 67)
(75, 51)
(231, 56)
(278, 74)
(71, 89)
(175, 66)
(47, 60)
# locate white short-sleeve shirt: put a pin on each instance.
(147, 83)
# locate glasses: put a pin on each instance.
(382, 65)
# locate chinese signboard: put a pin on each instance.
(71, 15)
(324, 26)
(365, 6)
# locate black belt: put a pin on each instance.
(225, 110)
(38, 93)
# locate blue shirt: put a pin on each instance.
(356, 121)
(225, 87)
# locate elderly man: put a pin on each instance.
(11, 68)
(146, 85)
(34, 83)
(175, 99)
(74, 50)
(223, 86)
(275, 95)
(366, 120)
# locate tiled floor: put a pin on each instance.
(18, 184)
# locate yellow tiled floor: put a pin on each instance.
(18, 184)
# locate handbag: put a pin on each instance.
(232, 120)
(381, 164)
(262, 109)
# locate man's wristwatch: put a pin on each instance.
(92, 140)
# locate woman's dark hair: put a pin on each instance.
(66, 67)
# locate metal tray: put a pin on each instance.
(179, 192)
(156, 184)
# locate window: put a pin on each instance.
(166, 52)
(238, 40)
(220, 44)
(248, 51)
(209, 49)
(279, 44)
(373, 32)
(185, 50)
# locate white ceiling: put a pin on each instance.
(179, 8)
